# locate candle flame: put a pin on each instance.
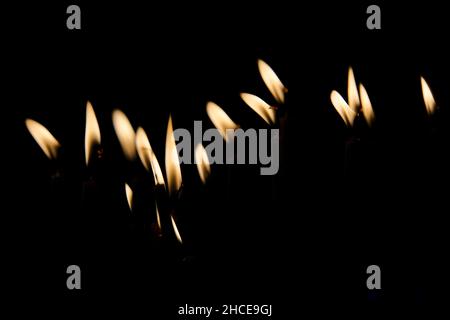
(125, 133)
(92, 133)
(158, 219)
(347, 114)
(258, 105)
(428, 98)
(273, 83)
(129, 193)
(173, 171)
(175, 229)
(44, 138)
(148, 157)
(201, 158)
(352, 92)
(220, 119)
(366, 105)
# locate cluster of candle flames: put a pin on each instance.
(359, 102)
(136, 143)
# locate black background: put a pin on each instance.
(304, 247)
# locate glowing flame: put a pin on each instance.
(430, 104)
(258, 105)
(125, 133)
(175, 229)
(92, 134)
(158, 219)
(201, 158)
(352, 92)
(220, 119)
(366, 105)
(273, 83)
(44, 138)
(129, 194)
(347, 114)
(173, 171)
(147, 156)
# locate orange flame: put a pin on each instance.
(92, 133)
(173, 171)
(175, 229)
(220, 119)
(125, 133)
(202, 161)
(147, 156)
(428, 98)
(347, 114)
(129, 194)
(44, 138)
(273, 83)
(158, 219)
(258, 105)
(352, 92)
(366, 105)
